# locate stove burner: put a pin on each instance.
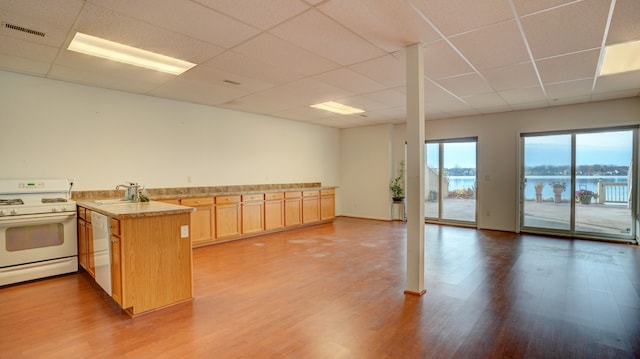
(9, 202)
(53, 200)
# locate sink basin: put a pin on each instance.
(112, 201)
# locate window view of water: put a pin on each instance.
(582, 182)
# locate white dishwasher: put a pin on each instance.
(101, 250)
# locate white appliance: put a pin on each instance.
(38, 229)
(101, 250)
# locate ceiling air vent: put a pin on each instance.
(24, 29)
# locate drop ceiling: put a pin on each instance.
(278, 57)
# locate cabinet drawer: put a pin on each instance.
(272, 196)
(197, 201)
(292, 194)
(227, 199)
(82, 212)
(114, 226)
(87, 215)
(252, 197)
(328, 192)
(170, 200)
(310, 193)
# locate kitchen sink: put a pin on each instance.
(113, 201)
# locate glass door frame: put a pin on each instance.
(440, 219)
(633, 188)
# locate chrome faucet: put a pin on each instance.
(133, 191)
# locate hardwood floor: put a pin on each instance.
(336, 291)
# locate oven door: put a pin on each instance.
(37, 237)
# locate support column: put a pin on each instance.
(415, 170)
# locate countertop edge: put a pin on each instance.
(138, 209)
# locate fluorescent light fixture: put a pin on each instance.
(110, 50)
(621, 58)
(337, 108)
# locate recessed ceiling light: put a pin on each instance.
(95, 46)
(621, 58)
(337, 108)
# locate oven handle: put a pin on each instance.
(37, 218)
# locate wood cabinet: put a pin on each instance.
(310, 206)
(292, 208)
(202, 220)
(273, 211)
(252, 213)
(85, 241)
(327, 204)
(116, 261)
(227, 218)
(153, 260)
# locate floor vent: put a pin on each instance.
(24, 29)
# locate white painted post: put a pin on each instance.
(415, 170)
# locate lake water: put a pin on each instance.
(586, 182)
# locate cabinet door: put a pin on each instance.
(292, 209)
(82, 244)
(274, 211)
(310, 206)
(227, 220)
(252, 217)
(116, 270)
(327, 204)
(91, 267)
(202, 220)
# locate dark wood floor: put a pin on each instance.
(336, 291)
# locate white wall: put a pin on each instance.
(498, 145)
(102, 138)
(365, 172)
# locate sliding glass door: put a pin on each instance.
(579, 183)
(450, 181)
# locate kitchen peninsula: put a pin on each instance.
(150, 252)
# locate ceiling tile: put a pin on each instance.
(280, 53)
(386, 70)
(185, 17)
(528, 95)
(197, 91)
(99, 78)
(321, 35)
(349, 80)
(625, 24)
(435, 93)
(516, 76)
(487, 100)
(390, 24)
(619, 82)
(362, 102)
(27, 50)
(389, 97)
(526, 7)
(569, 67)
(465, 85)
(569, 89)
(567, 29)
(615, 95)
(494, 46)
(22, 65)
(306, 112)
(250, 67)
(457, 16)
(110, 25)
(260, 14)
(233, 82)
(441, 60)
(569, 100)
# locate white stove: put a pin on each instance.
(38, 229)
(27, 196)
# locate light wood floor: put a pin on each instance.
(336, 291)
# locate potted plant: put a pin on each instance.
(538, 187)
(584, 196)
(558, 187)
(397, 184)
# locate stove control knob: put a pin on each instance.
(14, 212)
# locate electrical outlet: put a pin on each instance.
(184, 231)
